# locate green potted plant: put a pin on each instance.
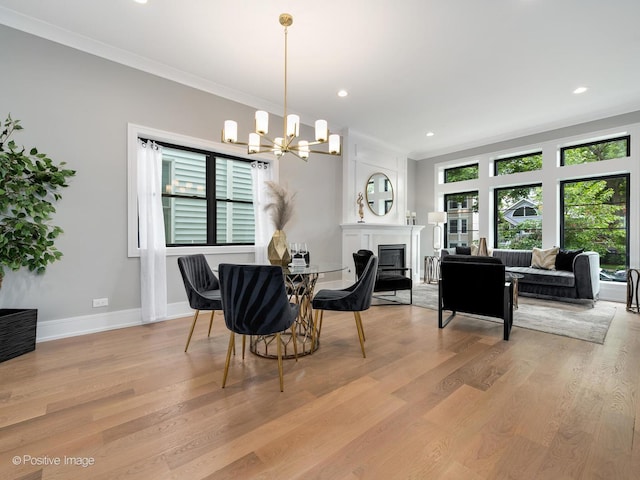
(29, 188)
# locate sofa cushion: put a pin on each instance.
(564, 260)
(545, 259)
(463, 250)
(539, 276)
(514, 258)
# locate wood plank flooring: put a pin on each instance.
(457, 403)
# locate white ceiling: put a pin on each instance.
(472, 71)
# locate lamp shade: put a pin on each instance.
(435, 218)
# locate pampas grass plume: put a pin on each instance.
(281, 205)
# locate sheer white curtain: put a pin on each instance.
(261, 172)
(153, 250)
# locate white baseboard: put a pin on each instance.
(101, 322)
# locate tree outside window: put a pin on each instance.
(518, 217)
(460, 174)
(596, 217)
(596, 151)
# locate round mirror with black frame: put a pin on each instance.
(379, 194)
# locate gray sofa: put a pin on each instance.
(583, 283)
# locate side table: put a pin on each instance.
(633, 277)
(431, 269)
(514, 277)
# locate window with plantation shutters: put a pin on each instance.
(207, 198)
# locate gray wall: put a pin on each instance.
(75, 107)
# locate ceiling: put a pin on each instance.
(473, 72)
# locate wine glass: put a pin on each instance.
(303, 250)
(293, 249)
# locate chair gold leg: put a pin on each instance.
(232, 342)
(360, 332)
(314, 333)
(244, 342)
(211, 322)
(295, 341)
(193, 325)
(279, 342)
(317, 327)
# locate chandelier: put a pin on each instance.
(259, 142)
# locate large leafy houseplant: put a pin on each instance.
(29, 188)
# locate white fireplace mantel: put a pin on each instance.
(356, 236)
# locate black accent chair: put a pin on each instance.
(475, 285)
(202, 287)
(388, 278)
(355, 298)
(255, 302)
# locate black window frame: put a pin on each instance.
(211, 200)
(496, 202)
(596, 142)
(447, 200)
(497, 162)
(460, 167)
(627, 176)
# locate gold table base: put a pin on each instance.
(300, 289)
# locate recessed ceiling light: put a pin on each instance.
(430, 134)
(580, 90)
(342, 93)
(140, 1)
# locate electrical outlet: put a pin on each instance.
(100, 302)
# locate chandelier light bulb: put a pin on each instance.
(277, 146)
(303, 149)
(262, 122)
(293, 125)
(254, 143)
(322, 131)
(334, 144)
(230, 131)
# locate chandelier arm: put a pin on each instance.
(324, 153)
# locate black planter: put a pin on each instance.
(17, 332)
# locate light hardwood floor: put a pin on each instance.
(457, 403)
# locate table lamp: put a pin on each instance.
(437, 218)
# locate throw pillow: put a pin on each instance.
(564, 260)
(463, 250)
(474, 249)
(545, 259)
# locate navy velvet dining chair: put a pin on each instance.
(202, 287)
(255, 302)
(355, 298)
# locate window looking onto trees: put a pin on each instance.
(460, 174)
(518, 215)
(462, 219)
(595, 216)
(207, 198)
(521, 163)
(596, 151)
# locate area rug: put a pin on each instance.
(575, 320)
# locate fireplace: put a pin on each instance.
(369, 236)
(392, 255)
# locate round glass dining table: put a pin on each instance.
(300, 282)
